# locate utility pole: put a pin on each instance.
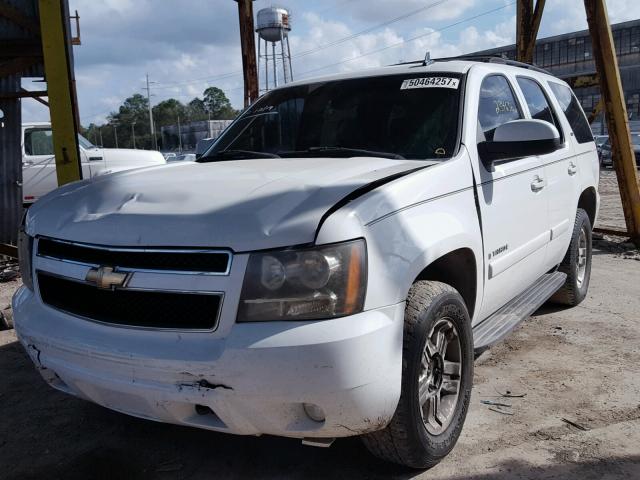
(100, 133)
(179, 135)
(248, 45)
(133, 133)
(115, 133)
(151, 126)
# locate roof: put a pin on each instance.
(443, 65)
(454, 66)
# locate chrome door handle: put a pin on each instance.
(538, 184)
(573, 169)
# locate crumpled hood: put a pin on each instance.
(243, 205)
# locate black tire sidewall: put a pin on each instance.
(582, 223)
(448, 305)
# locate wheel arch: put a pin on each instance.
(588, 202)
(458, 268)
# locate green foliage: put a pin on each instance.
(133, 114)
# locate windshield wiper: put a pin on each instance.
(236, 155)
(353, 152)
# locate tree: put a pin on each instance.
(197, 110)
(218, 105)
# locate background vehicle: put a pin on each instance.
(183, 157)
(606, 159)
(38, 161)
(330, 266)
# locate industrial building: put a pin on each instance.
(571, 55)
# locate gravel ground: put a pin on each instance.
(581, 365)
(611, 214)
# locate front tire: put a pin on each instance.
(437, 376)
(576, 263)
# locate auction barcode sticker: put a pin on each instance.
(430, 82)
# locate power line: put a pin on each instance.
(402, 42)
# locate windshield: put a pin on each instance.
(635, 139)
(84, 143)
(400, 116)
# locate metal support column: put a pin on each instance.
(58, 64)
(527, 25)
(616, 113)
(10, 163)
(248, 44)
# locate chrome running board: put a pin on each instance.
(498, 325)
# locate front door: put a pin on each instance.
(39, 164)
(513, 204)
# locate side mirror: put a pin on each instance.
(518, 139)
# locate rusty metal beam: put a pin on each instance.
(616, 113)
(596, 111)
(611, 231)
(527, 25)
(248, 45)
(23, 94)
(8, 250)
(581, 81)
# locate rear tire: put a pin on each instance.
(437, 359)
(576, 263)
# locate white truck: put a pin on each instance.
(329, 266)
(39, 166)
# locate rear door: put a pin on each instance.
(560, 170)
(513, 203)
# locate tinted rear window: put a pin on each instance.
(573, 111)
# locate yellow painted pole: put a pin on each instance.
(58, 66)
(616, 113)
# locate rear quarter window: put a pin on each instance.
(573, 111)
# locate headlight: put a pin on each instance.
(304, 284)
(25, 250)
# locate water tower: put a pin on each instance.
(274, 27)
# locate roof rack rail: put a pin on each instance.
(484, 59)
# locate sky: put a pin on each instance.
(186, 46)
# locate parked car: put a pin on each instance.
(183, 157)
(606, 159)
(39, 166)
(168, 156)
(600, 140)
(326, 270)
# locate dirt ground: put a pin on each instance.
(580, 365)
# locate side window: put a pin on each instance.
(38, 142)
(573, 112)
(498, 105)
(537, 101)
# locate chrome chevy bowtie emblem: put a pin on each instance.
(106, 278)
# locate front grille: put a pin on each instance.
(193, 311)
(183, 260)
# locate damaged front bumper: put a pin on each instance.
(256, 380)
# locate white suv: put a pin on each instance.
(330, 264)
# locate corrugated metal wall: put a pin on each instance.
(10, 162)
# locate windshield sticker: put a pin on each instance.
(430, 82)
